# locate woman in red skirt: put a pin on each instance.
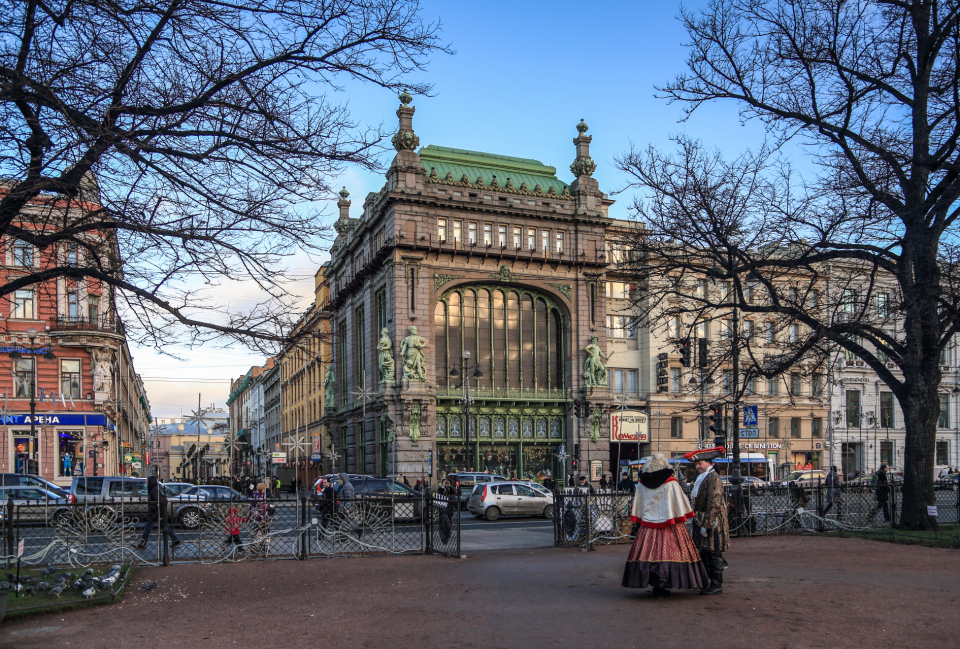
(663, 554)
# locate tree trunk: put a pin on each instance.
(920, 283)
(920, 411)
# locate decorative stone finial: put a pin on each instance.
(344, 193)
(582, 127)
(405, 98)
(405, 139)
(583, 165)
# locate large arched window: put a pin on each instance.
(514, 334)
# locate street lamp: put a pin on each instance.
(15, 355)
(467, 400)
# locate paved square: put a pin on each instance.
(783, 592)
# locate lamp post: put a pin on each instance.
(15, 355)
(467, 400)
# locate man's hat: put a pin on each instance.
(709, 454)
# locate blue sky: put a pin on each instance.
(522, 77)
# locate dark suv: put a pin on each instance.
(108, 500)
(26, 480)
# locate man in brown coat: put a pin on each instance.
(711, 531)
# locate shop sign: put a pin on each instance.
(127, 458)
(24, 350)
(629, 426)
(278, 458)
(760, 447)
(55, 420)
(137, 465)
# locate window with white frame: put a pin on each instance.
(883, 302)
(22, 253)
(773, 386)
(442, 229)
(675, 327)
(545, 240)
(488, 234)
(70, 377)
(559, 241)
(502, 235)
(472, 233)
(676, 379)
(517, 238)
(770, 332)
(794, 333)
(24, 304)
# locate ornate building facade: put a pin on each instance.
(467, 303)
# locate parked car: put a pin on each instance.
(37, 505)
(26, 480)
(192, 506)
(468, 480)
(334, 479)
(756, 485)
(805, 478)
(496, 499)
(868, 479)
(176, 488)
(109, 499)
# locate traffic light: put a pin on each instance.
(576, 452)
(685, 352)
(716, 424)
(701, 352)
(574, 465)
(587, 409)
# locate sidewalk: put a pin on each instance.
(783, 592)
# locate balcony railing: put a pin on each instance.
(529, 394)
(79, 323)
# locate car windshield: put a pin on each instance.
(794, 476)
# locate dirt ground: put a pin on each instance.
(780, 592)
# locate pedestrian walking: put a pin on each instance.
(347, 495)
(603, 481)
(418, 487)
(156, 499)
(711, 530)
(662, 555)
(625, 484)
(325, 505)
(882, 493)
(586, 485)
(832, 483)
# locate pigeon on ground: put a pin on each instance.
(115, 567)
(32, 590)
(49, 571)
(33, 581)
(107, 582)
(55, 592)
(5, 586)
(78, 584)
(152, 585)
(90, 592)
(71, 575)
(18, 588)
(44, 586)
(89, 572)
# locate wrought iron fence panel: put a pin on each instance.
(583, 519)
(373, 525)
(442, 524)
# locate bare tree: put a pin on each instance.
(179, 144)
(871, 87)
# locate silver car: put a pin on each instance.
(36, 505)
(493, 500)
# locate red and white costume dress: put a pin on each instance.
(663, 554)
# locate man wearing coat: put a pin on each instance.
(711, 531)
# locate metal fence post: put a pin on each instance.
(164, 524)
(9, 526)
(428, 523)
(303, 525)
(819, 505)
(893, 504)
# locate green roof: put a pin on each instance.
(473, 164)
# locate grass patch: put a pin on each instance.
(71, 598)
(947, 536)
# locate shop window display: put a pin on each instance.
(70, 453)
(26, 458)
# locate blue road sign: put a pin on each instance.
(750, 415)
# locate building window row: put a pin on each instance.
(501, 235)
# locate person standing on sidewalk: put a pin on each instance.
(663, 555)
(157, 499)
(881, 485)
(711, 531)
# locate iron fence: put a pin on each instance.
(104, 531)
(582, 519)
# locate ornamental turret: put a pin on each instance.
(406, 172)
(585, 188)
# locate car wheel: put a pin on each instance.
(492, 513)
(548, 511)
(191, 519)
